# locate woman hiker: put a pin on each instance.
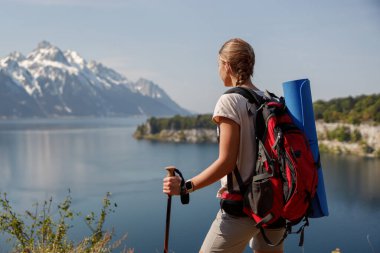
(231, 232)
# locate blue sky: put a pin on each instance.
(336, 44)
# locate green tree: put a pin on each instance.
(353, 110)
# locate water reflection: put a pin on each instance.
(352, 180)
(40, 159)
(43, 160)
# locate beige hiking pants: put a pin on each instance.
(230, 234)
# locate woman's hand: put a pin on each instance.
(172, 185)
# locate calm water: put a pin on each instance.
(42, 159)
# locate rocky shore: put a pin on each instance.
(199, 135)
(368, 143)
(337, 138)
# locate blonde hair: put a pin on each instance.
(240, 56)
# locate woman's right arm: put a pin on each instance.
(228, 152)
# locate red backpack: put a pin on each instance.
(285, 175)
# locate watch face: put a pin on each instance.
(189, 185)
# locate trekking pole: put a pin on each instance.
(170, 170)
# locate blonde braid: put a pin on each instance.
(244, 70)
(241, 57)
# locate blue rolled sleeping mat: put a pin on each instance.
(298, 99)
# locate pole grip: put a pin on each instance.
(170, 170)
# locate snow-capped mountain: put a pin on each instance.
(49, 82)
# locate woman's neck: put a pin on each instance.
(248, 84)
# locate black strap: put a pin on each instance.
(252, 97)
(185, 198)
(239, 180)
(230, 186)
(269, 242)
(266, 219)
(301, 231)
(288, 230)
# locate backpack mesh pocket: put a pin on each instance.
(260, 197)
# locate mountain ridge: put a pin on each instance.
(49, 82)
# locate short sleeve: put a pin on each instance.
(227, 106)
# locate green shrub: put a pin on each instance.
(38, 232)
(342, 134)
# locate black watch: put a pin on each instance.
(189, 186)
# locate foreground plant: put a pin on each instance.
(38, 232)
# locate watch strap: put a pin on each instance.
(191, 188)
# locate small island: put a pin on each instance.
(348, 125)
(189, 129)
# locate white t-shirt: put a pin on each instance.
(237, 108)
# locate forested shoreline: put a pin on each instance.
(348, 125)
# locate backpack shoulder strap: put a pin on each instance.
(252, 96)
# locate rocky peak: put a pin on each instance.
(47, 52)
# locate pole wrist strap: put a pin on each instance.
(185, 197)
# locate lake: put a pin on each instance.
(40, 159)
